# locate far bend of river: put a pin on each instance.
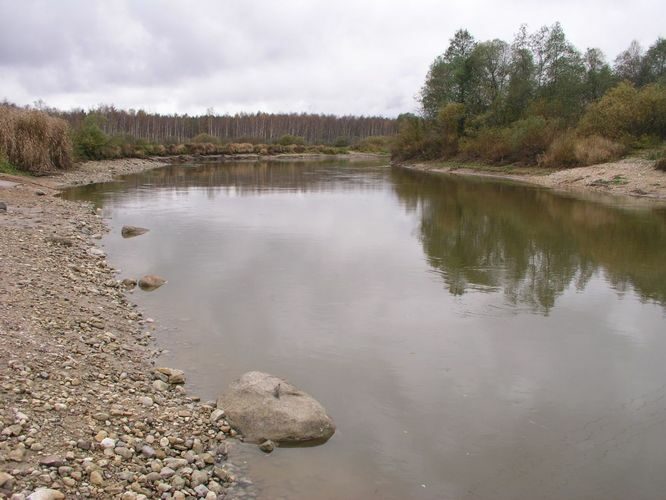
(472, 339)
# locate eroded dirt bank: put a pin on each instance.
(83, 410)
(629, 177)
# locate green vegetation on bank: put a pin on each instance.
(537, 100)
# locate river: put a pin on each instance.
(471, 338)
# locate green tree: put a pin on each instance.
(451, 75)
(598, 75)
(654, 63)
(89, 139)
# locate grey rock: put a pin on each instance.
(132, 231)
(290, 417)
(3, 206)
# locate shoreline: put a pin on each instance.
(84, 410)
(630, 177)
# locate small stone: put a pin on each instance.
(6, 480)
(126, 453)
(3, 206)
(267, 446)
(83, 444)
(128, 283)
(201, 490)
(164, 442)
(148, 451)
(158, 385)
(40, 192)
(167, 472)
(108, 443)
(211, 495)
(216, 415)
(12, 430)
(51, 461)
(17, 454)
(96, 478)
(199, 477)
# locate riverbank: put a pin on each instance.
(84, 411)
(634, 177)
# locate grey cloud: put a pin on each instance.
(351, 56)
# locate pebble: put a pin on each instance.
(107, 443)
(96, 478)
(46, 494)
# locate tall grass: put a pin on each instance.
(34, 141)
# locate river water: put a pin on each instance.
(472, 339)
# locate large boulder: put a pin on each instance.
(264, 407)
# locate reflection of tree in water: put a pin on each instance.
(531, 243)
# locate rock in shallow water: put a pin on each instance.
(132, 231)
(151, 282)
(264, 407)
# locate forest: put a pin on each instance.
(536, 100)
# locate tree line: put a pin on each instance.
(535, 99)
(242, 127)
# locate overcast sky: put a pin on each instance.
(333, 56)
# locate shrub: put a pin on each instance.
(625, 113)
(341, 142)
(561, 152)
(374, 144)
(596, 149)
(89, 139)
(288, 140)
(34, 141)
(205, 138)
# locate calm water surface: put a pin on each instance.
(472, 339)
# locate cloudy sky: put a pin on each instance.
(342, 57)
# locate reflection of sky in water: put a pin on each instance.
(339, 280)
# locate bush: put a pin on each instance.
(289, 140)
(561, 152)
(596, 149)
(205, 139)
(90, 141)
(374, 144)
(627, 114)
(34, 141)
(341, 142)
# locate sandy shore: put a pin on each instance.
(83, 411)
(629, 177)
